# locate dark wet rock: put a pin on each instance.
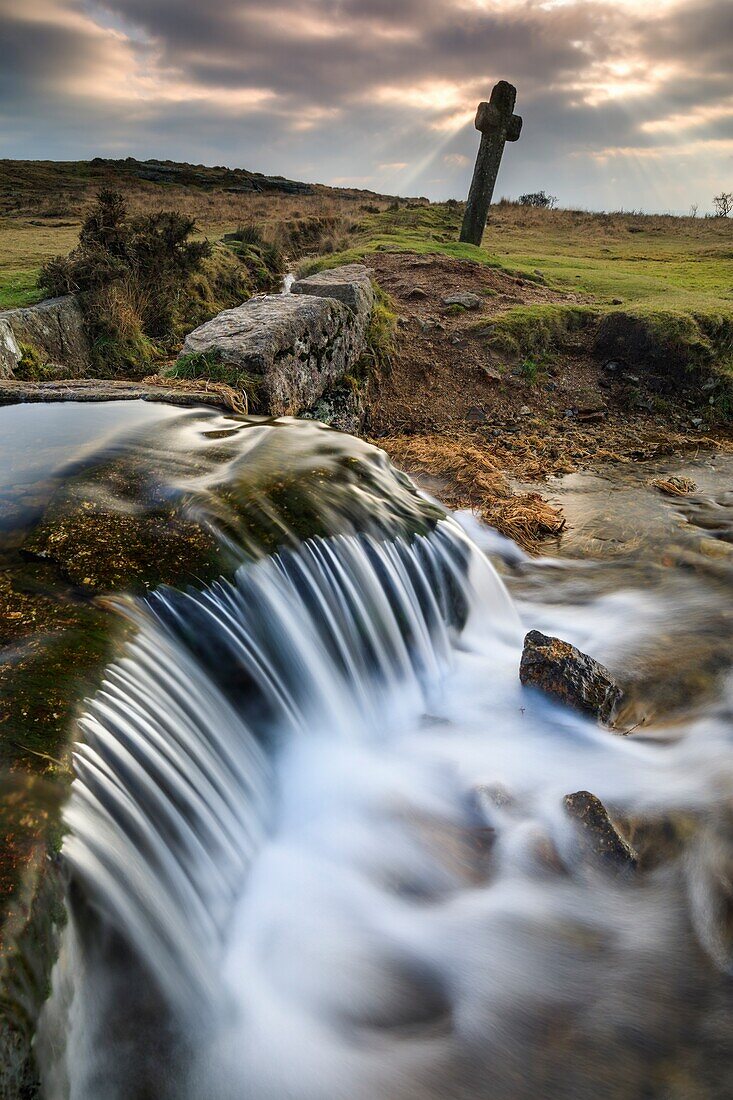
(659, 838)
(599, 836)
(572, 677)
(52, 330)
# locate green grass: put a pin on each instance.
(23, 248)
(661, 287)
(680, 262)
(18, 288)
(422, 230)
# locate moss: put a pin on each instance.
(381, 335)
(119, 350)
(223, 282)
(536, 330)
(32, 366)
(262, 261)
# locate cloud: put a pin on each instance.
(379, 90)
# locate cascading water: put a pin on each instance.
(317, 845)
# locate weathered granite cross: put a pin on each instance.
(498, 123)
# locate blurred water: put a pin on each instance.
(318, 846)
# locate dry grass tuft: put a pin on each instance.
(236, 400)
(469, 477)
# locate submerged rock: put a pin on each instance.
(599, 836)
(709, 874)
(571, 677)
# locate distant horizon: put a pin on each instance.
(560, 205)
(625, 104)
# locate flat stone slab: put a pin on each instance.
(13, 392)
(350, 284)
(284, 350)
(54, 329)
(466, 299)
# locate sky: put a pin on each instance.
(627, 104)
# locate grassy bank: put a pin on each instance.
(653, 290)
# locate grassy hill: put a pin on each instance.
(42, 204)
(651, 288)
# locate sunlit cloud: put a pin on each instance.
(378, 92)
(692, 119)
(617, 80)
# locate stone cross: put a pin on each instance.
(498, 123)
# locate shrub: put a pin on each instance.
(538, 199)
(131, 275)
(723, 204)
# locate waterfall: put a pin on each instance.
(342, 639)
(317, 848)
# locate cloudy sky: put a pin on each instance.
(626, 103)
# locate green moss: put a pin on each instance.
(222, 283)
(380, 340)
(32, 366)
(535, 330)
(262, 261)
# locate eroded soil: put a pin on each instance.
(465, 418)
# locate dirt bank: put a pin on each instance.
(464, 408)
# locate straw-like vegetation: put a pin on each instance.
(470, 477)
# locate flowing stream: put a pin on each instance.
(316, 843)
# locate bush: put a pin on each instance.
(131, 275)
(538, 199)
(723, 204)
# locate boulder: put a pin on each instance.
(283, 350)
(10, 353)
(350, 284)
(571, 677)
(599, 837)
(53, 328)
